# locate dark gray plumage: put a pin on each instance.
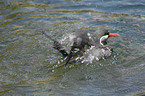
(82, 41)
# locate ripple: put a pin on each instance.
(15, 5)
(29, 64)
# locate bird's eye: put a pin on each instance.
(106, 32)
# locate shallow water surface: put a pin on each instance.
(28, 61)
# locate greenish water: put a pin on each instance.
(28, 61)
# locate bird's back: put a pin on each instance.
(81, 41)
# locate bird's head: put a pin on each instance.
(105, 36)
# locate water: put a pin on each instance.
(27, 59)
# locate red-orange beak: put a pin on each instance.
(113, 35)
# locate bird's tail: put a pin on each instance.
(57, 45)
(48, 36)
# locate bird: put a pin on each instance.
(83, 41)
